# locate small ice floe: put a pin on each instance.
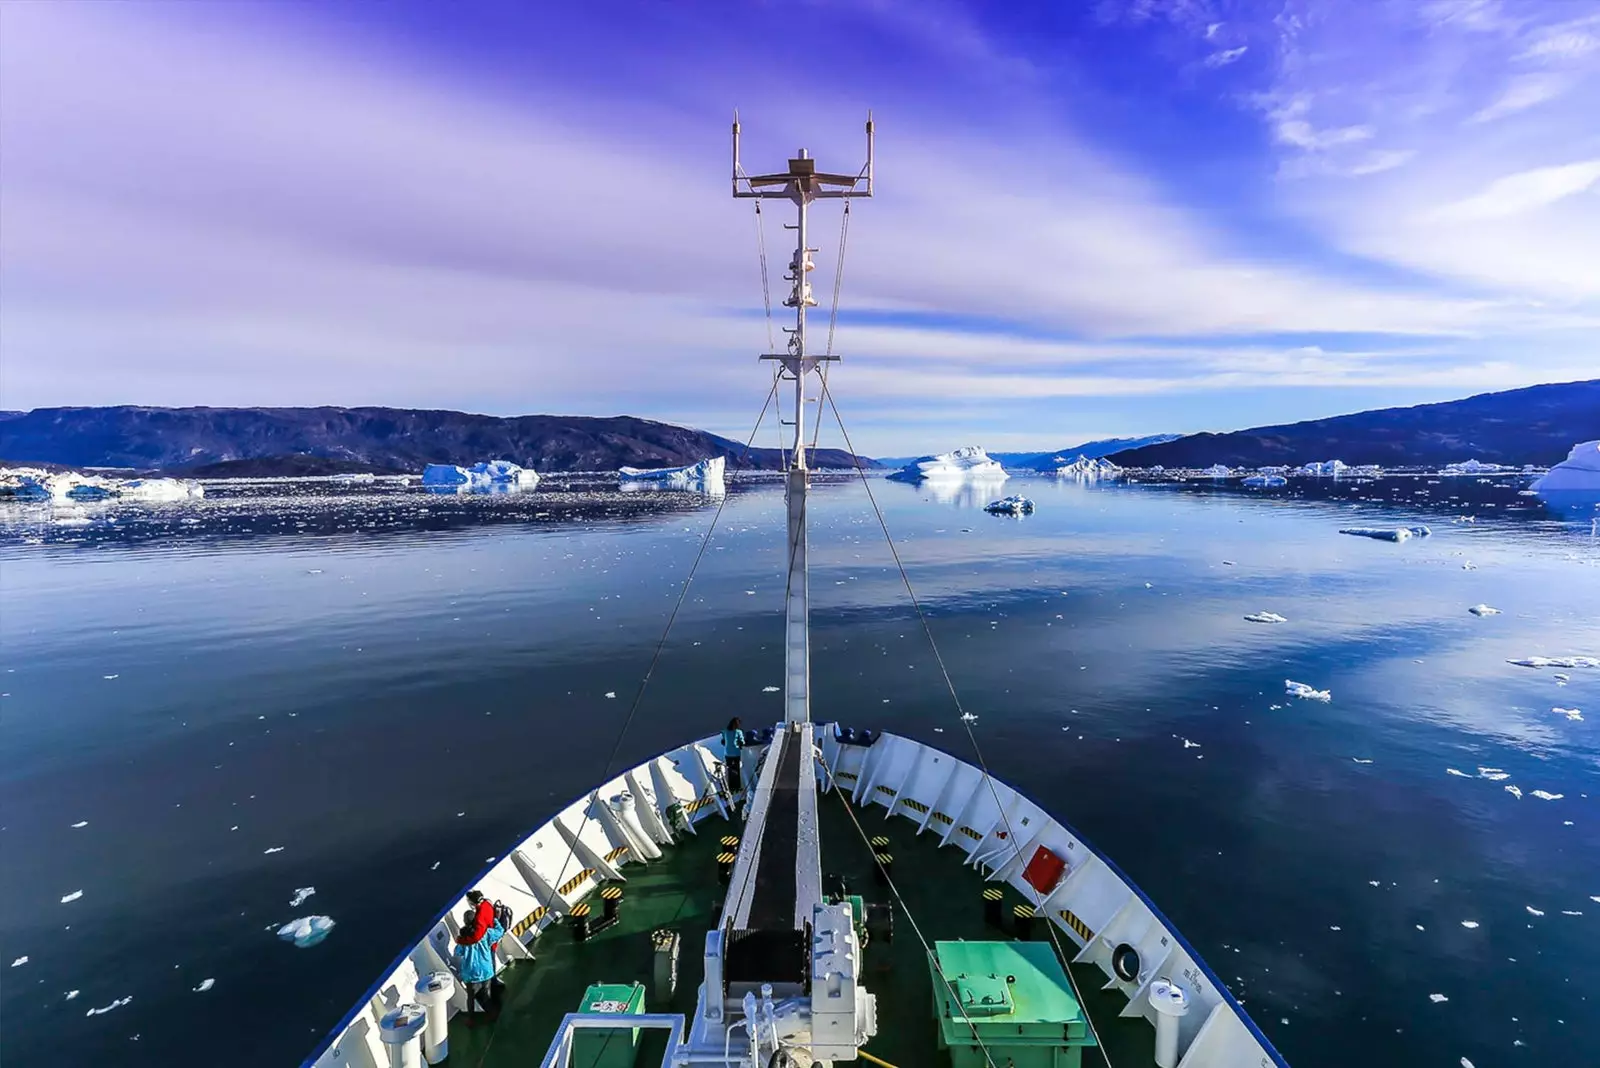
(1187, 744)
(108, 678)
(1546, 795)
(1388, 533)
(1455, 771)
(1469, 566)
(1265, 617)
(1569, 912)
(300, 896)
(1436, 998)
(20, 961)
(1471, 925)
(1483, 610)
(75, 895)
(71, 994)
(1466, 1063)
(274, 849)
(306, 931)
(80, 823)
(117, 1004)
(1514, 791)
(1533, 911)
(1359, 760)
(1571, 713)
(1561, 678)
(435, 866)
(205, 984)
(769, 689)
(1556, 661)
(968, 717)
(611, 695)
(1335, 927)
(1300, 689)
(1595, 898)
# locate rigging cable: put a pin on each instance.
(833, 317)
(966, 723)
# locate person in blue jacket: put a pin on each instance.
(732, 743)
(475, 963)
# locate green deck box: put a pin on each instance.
(608, 1048)
(1018, 999)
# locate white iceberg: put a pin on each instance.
(1013, 505)
(970, 461)
(1574, 714)
(1546, 795)
(1300, 689)
(1474, 467)
(1579, 472)
(488, 473)
(1326, 469)
(1265, 617)
(117, 1004)
(300, 896)
(1483, 610)
(705, 475)
(1388, 533)
(1556, 661)
(160, 489)
(1265, 481)
(205, 984)
(1086, 468)
(306, 931)
(1218, 471)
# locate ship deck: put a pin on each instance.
(681, 891)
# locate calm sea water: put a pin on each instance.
(369, 691)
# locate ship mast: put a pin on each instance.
(801, 184)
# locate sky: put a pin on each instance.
(1091, 219)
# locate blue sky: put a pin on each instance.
(1093, 219)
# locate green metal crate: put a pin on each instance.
(1017, 999)
(608, 1048)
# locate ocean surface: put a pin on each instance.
(369, 691)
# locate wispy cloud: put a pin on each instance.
(1225, 56)
(1517, 194)
(1523, 92)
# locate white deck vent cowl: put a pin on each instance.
(400, 1030)
(1171, 1005)
(627, 814)
(433, 993)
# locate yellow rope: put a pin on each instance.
(864, 1055)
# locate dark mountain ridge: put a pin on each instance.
(1533, 425)
(302, 440)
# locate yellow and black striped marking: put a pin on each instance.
(526, 923)
(914, 805)
(942, 818)
(615, 853)
(611, 893)
(993, 893)
(1024, 911)
(697, 805)
(573, 883)
(1079, 928)
(730, 841)
(970, 833)
(580, 910)
(849, 775)
(883, 859)
(887, 790)
(726, 858)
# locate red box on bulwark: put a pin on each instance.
(1044, 870)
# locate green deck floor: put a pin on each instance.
(680, 891)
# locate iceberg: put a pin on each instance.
(1483, 610)
(306, 931)
(484, 475)
(1265, 617)
(1326, 469)
(1388, 533)
(1265, 481)
(160, 489)
(707, 475)
(1300, 689)
(1556, 661)
(1579, 472)
(969, 461)
(1013, 505)
(1474, 467)
(1085, 468)
(1218, 471)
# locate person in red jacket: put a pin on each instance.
(483, 907)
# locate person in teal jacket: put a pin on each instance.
(475, 963)
(732, 744)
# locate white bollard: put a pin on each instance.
(433, 993)
(401, 1030)
(1171, 1005)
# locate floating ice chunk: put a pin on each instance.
(1012, 505)
(1546, 795)
(1453, 771)
(1493, 774)
(1466, 1063)
(306, 931)
(968, 717)
(71, 994)
(1483, 610)
(970, 461)
(1514, 792)
(1436, 998)
(480, 475)
(769, 689)
(1388, 533)
(205, 984)
(1469, 566)
(75, 895)
(108, 678)
(1471, 925)
(117, 1004)
(1580, 471)
(20, 961)
(1561, 678)
(1300, 689)
(706, 474)
(611, 695)
(1265, 617)
(300, 896)
(80, 823)
(1570, 912)
(274, 849)
(160, 489)
(1571, 713)
(1557, 661)
(1358, 760)
(1187, 744)
(1533, 911)
(1264, 481)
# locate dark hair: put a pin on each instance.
(469, 920)
(733, 724)
(474, 897)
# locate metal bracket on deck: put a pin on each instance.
(560, 1053)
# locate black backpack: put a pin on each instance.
(502, 915)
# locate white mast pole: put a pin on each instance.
(801, 262)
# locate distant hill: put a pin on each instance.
(1093, 450)
(1535, 425)
(268, 441)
